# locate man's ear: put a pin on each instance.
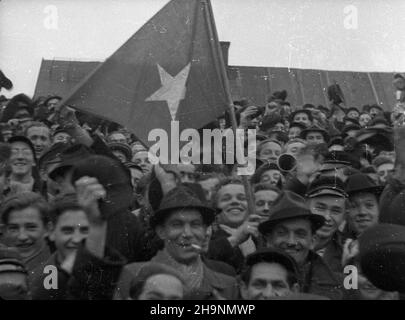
(50, 228)
(243, 290)
(267, 240)
(313, 241)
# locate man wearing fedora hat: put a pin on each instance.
(326, 196)
(182, 222)
(291, 228)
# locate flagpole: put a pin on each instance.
(222, 70)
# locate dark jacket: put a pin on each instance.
(392, 202)
(126, 235)
(318, 278)
(220, 267)
(333, 253)
(225, 285)
(220, 249)
(92, 278)
(294, 185)
(124, 231)
(37, 262)
(37, 288)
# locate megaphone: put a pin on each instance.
(286, 162)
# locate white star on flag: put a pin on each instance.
(173, 89)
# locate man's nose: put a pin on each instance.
(22, 235)
(77, 237)
(291, 239)
(235, 200)
(187, 231)
(327, 215)
(363, 210)
(268, 292)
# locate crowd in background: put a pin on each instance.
(80, 194)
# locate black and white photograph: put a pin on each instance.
(221, 151)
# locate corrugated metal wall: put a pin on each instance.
(58, 77)
(309, 86)
(254, 83)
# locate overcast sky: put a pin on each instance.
(317, 34)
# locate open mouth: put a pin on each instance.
(189, 246)
(363, 221)
(292, 251)
(327, 226)
(19, 164)
(235, 210)
(24, 245)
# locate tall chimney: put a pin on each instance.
(225, 51)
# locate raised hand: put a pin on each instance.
(247, 115)
(89, 191)
(245, 230)
(167, 178)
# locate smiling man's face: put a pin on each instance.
(363, 211)
(40, 138)
(22, 158)
(181, 230)
(233, 205)
(26, 231)
(70, 230)
(294, 237)
(332, 208)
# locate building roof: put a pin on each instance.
(59, 77)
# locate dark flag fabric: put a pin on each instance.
(170, 69)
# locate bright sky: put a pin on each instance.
(362, 35)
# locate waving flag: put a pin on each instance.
(170, 69)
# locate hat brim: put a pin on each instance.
(126, 152)
(324, 133)
(119, 198)
(61, 169)
(207, 213)
(333, 166)
(377, 190)
(317, 220)
(327, 192)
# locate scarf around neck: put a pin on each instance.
(192, 274)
